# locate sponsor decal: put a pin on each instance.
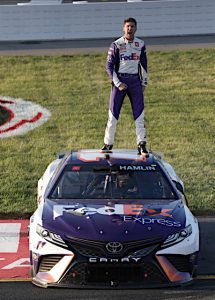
(90, 156)
(114, 260)
(23, 116)
(117, 209)
(93, 155)
(122, 49)
(136, 44)
(136, 213)
(150, 221)
(76, 168)
(132, 56)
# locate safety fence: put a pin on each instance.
(87, 20)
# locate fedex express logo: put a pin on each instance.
(132, 56)
(20, 116)
(130, 212)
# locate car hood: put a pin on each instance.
(121, 221)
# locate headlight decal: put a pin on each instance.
(50, 236)
(178, 236)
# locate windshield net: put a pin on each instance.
(98, 183)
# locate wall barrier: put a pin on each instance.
(71, 21)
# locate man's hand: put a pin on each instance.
(144, 85)
(122, 87)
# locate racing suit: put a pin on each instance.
(126, 63)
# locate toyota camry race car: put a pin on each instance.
(114, 219)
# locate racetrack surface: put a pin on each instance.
(72, 47)
(203, 289)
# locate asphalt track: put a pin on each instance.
(200, 289)
(72, 47)
(204, 286)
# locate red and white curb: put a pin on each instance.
(23, 116)
(14, 250)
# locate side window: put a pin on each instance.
(68, 186)
(153, 185)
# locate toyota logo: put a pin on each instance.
(114, 247)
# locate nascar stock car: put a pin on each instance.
(112, 220)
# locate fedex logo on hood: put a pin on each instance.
(117, 209)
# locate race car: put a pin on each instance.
(112, 219)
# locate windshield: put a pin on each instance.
(97, 183)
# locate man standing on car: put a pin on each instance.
(127, 69)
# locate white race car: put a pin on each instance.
(116, 219)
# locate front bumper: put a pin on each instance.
(84, 264)
(151, 271)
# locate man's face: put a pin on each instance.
(122, 180)
(129, 29)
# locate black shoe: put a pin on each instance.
(107, 147)
(142, 148)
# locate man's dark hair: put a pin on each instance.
(130, 20)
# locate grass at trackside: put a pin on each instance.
(179, 113)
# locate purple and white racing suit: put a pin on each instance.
(126, 63)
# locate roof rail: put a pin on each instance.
(157, 155)
(61, 155)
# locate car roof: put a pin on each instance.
(117, 155)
